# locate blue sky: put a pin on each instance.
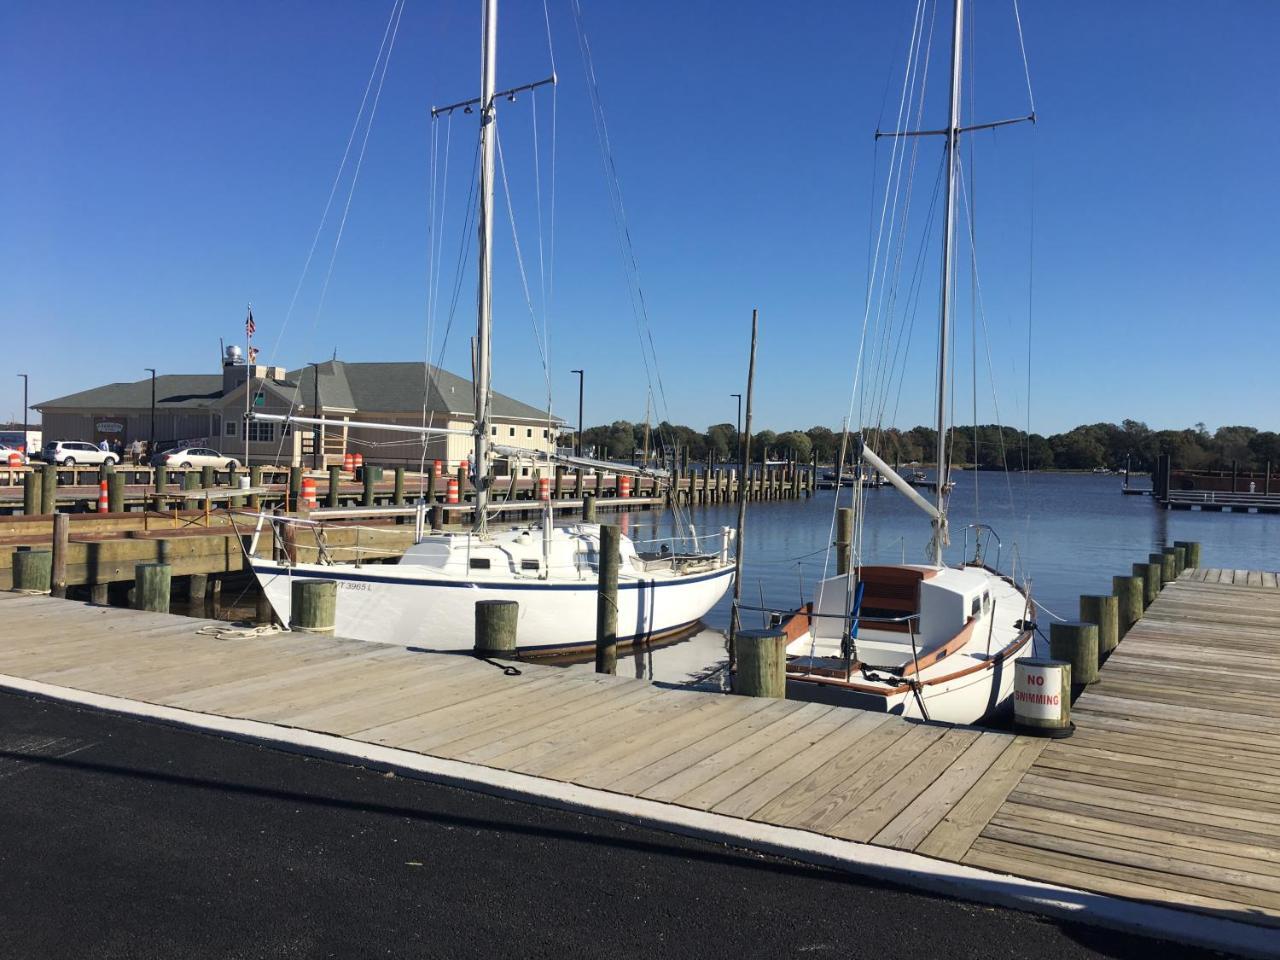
(165, 163)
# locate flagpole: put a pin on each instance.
(248, 380)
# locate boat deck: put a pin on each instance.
(1169, 791)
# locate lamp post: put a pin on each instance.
(151, 436)
(737, 452)
(577, 447)
(25, 451)
(315, 412)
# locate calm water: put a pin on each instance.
(1069, 532)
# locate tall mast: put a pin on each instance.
(484, 321)
(948, 256)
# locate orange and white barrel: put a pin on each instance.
(452, 495)
(104, 503)
(544, 488)
(624, 486)
(15, 460)
(437, 468)
(466, 466)
(349, 462)
(359, 460)
(309, 500)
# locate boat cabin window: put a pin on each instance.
(975, 606)
(479, 563)
(986, 601)
(529, 565)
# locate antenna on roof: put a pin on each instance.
(335, 354)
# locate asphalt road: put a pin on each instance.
(125, 838)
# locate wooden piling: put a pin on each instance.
(161, 478)
(1179, 560)
(496, 622)
(263, 611)
(49, 488)
(607, 600)
(115, 492)
(151, 587)
(370, 475)
(589, 508)
(335, 485)
(32, 570)
(255, 480)
(761, 663)
(295, 488)
(207, 479)
(1150, 575)
(844, 539)
(1163, 563)
(197, 585)
(1076, 644)
(31, 493)
(431, 486)
(313, 605)
(99, 595)
(190, 480)
(397, 495)
(1102, 610)
(1129, 604)
(61, 542)
(1191, 551)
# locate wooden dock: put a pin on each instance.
(1169, 792)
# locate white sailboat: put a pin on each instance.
(428, 598)
(928, 641)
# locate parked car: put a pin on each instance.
(67, 453)
(7, 451)
(194, 457)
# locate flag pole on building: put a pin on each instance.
(248, 378)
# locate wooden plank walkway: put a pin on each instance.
(1169, 791)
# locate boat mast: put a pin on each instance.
(948, 256)
(484, 320)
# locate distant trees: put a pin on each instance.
(987, 446)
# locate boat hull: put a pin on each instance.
(384, 604)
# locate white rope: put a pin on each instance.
(239, 633)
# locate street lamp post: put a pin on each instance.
(577, 447)
(25, 451)
(151, 436)
(315, 412)
(737, 452)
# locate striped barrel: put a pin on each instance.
(15, 460)
(436, 468)
(104, 503)
(359, 460)
(309, 501)
(452, 495)
(544, 488)
(349, 462)
(624, 486)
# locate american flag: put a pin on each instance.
(249, 326)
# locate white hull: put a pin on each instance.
(390, 604)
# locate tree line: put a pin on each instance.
(987, 446)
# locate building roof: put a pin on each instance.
(375, 387)
(172, 390)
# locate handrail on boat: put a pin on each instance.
(832, 616)
(977, 547)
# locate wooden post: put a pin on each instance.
(161, 478)
(61, 541)
(762, 663)
(397, 496)
(589, 508)
(1150, 574)
(431, 485)
(190, 480)
(1077, 644)
(98, 595)
(255, 480)
(607, 600)
(115, 492)
(295, 488)
(1164, 562)
(370, 475)
(437, 517)
(263, 612)
(1103, 611)
(313, 605)
(151, 587)
(197, 587)
(599, 482)
(558, 484)
(335, 484)
(31, 493)
(1190, 551)
(1179, 560)
(207, 478)
(462, 484)
(289, 541)
(1129, 604)
(32, 570)
(496, 628)
(49, 488)
(844, 539)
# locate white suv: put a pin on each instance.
(67, 453)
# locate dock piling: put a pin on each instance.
(844, 539)
(589, 508)
(32, 570)
(1128, 591)
(61, 541)
(49, 488)
(761, 663)
(31, 493)
(1150, 574)
(151, 587)
(1191, 552)
(335, 485)
(313, 605)
(607, 600)
(1163, 563)
(1103, 611)
(1077, 644)
(496, 622)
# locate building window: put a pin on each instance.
(493, 431)
(544, 435)
(229, 428)
(529, 432)
(260, 432)
(286, 429)
(513, 431)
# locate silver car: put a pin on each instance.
(195, 457)
(67, 453)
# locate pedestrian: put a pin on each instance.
(104, 446)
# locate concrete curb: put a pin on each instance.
(896, 866)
